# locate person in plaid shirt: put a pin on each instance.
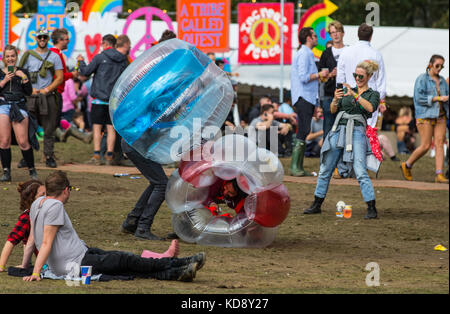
(29, 192)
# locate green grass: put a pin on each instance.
(311, 254)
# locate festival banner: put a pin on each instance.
(260, 33)
(205, 24)
(318, 18)
(50, 15)
(101, 7)
(7, 22)
(147, 39)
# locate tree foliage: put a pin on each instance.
(415, 13)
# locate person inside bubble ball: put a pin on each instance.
(225, 192)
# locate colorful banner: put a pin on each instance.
(7, 22)
(318, 18)
(260, 33)
(147, 39)
(100, 6)
(205, 24)
(52, 16)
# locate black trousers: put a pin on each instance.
(125, 263)
(150, 201)
(305, 112)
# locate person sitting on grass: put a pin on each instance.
(60, 247)
(29, 191)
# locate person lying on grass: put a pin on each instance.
(60, 247)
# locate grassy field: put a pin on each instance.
(311, 254)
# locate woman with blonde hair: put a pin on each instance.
(347, 142)
(15, 85)
(431, 106)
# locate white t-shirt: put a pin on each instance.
(337, 52)
(67, 247)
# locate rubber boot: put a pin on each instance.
(294, 158)
(371, 210)
(6, 175)
(298, 155)
(82, 136)
(315, 207)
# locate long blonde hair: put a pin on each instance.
(370, 66)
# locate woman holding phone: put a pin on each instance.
(347, 142)
(14, 86)
(431, 110)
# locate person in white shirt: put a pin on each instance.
(351, 56)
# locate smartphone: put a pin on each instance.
(10, 68)
(339, 86)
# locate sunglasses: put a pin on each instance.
(439, 66)
(358, 76)
(71, 188)
(42, 37)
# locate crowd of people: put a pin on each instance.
(331, 113)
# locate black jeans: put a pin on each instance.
(125, 263)
(305, 111)
(150, 201)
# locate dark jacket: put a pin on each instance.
(327, 61)
(254, 113)
(107, 67)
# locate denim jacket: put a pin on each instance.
(424, 91)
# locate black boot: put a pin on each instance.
(146, 234)
(129, 225)
(371, 210)
(6, 175)
(33, 174)
(315, 207)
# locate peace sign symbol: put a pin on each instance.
(148, 38)
(265, 40)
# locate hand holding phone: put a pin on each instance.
(339, 86)
(10, 69)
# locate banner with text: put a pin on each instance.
(205, 23)
(260, 29)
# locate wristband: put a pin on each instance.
(36, 275)
(438, 98)
(2, 267)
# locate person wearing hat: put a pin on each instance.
(46, 74)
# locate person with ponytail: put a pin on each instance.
(347, 143)
(29, 191)
(14, 86)
(431, 111)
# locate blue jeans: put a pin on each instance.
(328, 117)
(330, 160)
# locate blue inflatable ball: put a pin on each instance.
(164, 95)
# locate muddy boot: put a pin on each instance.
(315, 207)
(82, 136)
(146, 235)
(129, 225)
(6, 175)
(371, 210)
(61, 135)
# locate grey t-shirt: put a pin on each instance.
(316, 126)
(261, 134)
(33, 64)
(67, 247)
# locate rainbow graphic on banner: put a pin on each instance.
(100, 6)
(318, 18)
(7, 21)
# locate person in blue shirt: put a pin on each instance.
(431, 109)
(305, 93)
